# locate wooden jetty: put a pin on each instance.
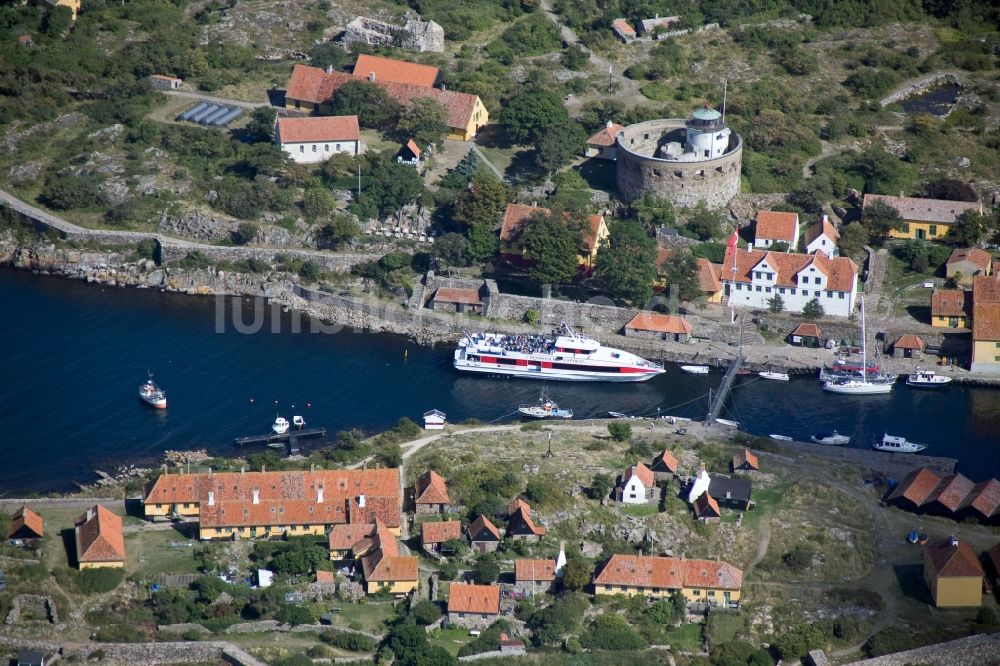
(292, 437)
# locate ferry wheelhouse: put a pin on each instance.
(563, 356)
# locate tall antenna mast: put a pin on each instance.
(725, 89)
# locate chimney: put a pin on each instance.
(561, 558)
(211, 498)
(729, 495)
(954, 541)
(361, 501)
(263, 468)
(329, 69)
(243, 469)
(371, 76)
(319, 494)
(825, 218)
(444, 86)
(256, 496)
(609, 124)
(312, 467)
(210, 470)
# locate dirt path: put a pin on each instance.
(827, 149)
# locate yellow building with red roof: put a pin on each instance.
(985, 324)
(515, 221)
(953, 573)
(100, 539)
(702, 581)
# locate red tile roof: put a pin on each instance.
(985, 308)
(667, 459)
(746, 457)
(396, 71)
(668, 573)
(639, 470)
(948, 303)
(705, 506)
(158, 77)
(483, 522)
(841, 272)
(623, 27)
(517, 215)
(909, 341)
(973, 255)
(984, 498)
(953, 560)
(345, 537)
(993, 555)
(534, 570)
(384, 563)
(660, 323)
(938, 211)
(479, 599)
(917, 486)
(317, 129)
(412, 146)
(456, 295)
(441, 531)
(100, 536)
(324, 576)
(518, 508)
(431, 488)
(311, 84)
(824, 226)
(951, 491)
(26, 519)
(777, 226)
(807, 330)
(708, 276)
(606, 135)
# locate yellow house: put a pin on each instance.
(923, 219)
(74, 5)
(953, 574)
(949, 309)
(384, 569)
(518, 215)
(349, 542)
(311, 88)
(699, 581)
(985, 324)
(100, 539)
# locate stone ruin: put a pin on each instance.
(414, 34)
(33, 606)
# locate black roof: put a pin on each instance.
(30, 658)
(737, 489)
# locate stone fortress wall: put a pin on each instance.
(684, 184)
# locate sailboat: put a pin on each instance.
(866, 384)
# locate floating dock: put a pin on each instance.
(292, 437)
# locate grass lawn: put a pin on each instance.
(657, 92)
(723, 627)
(153, 552)
(641, 510)
(364, 617)
(686, 637)
(502, 158)
(451, 639)
(375, 140)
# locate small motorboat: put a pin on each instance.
(545, 408)
(831, 438)
(153, 395)
(728, 422)
(777, 376)
(781, 438)
(926, 379)
(894, 444)
(298, 422)
(280, 426)
(618, 415)
(695, 369)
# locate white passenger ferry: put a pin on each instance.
(564, 356)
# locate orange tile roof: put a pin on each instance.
(384, 563)
(440, 531)
(456, 295)
(479, 523)
(396, 71)
(667, 459)
(824, 226)
(746, 456)
(318, 128)
(623, 27)
(158, 77)
(708, 276)
(26, 518)
(309, 84)
(413, 148)
(951, 491)
(606, 135)
(938, 211)
(346, 536)
(519, 508)
(953, 560)
(973, 255)
(518, 504)
(984, 498)
(776, 226)
(807, 330)
(985, 308)
(948, 303)
(705, 505)
(431, 488)
(661, 323)
(841, 272)
(480, 599)
(917, 486)
(324, 576)
(100, 536)
(909, 341)
(385, 509)
(534, 570)
(993, 554)
(644, 474)
(668, 573)
(517, 215)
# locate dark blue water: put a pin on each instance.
(937, 101)
(74, 355)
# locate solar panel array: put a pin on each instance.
(210, 114)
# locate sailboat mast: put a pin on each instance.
(864, 344)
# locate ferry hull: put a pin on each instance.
(560, 376)
(155, 404)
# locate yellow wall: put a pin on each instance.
(394, 587)
(341, 555)
(985, 351)
(662, 593)
(480, 117)
(715, 298)
(945, 322)
(953, 592)
(186, 509)
(260, 531)
(915, 229)
(101, 565)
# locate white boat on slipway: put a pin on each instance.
(563, 356)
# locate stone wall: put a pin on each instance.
(920, 85)
(972, 651)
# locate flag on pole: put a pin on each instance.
(733, 241)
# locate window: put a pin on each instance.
(298, 105)
(829, 294)
(757, 274)
(302, 149)
(816, 294)
(769, 276)
(906, 228)
(781, 290)
(792, 290)
(326, 147)
(758, 287)
(338, 147)
(711, 593)
(607, 588)
(314, 147)
(767, 289)
(932, 231)
(739, 287)
(805, 280)
(997, 345)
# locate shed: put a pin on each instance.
(706, 509)
(806, 335)
(484, 537)
(745, 461)
(453, 299)
(966, 263)
(26, 524)
(623, 29)
(265, 577)
(659, 326)
(908, 345)
(30, 658)
(664, 465)
(602, 143)
(435, 420)
(731, 493)
(162, 82)
(409, 154)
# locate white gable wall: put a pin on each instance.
(824, 244)
(634, 491)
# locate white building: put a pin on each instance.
(435, 420)
(751, 278)
(637, 485)
(776, 227)
(822, 237)
(315, 139)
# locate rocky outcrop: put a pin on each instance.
(414, 34)
(197, 225)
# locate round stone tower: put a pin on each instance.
(681, 160)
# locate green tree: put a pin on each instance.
(69, 191)
(425, 612)
(577, 574)
(880, 219)
(575, 57)
(260, 128)
(611, 632)
(390, 187)
(620, 431)
(813, 309)
(626, 262)
(452, 249)
(853, 238)
(485, 571)
(887, 641)
(317, 203)
(970, 228)
(703, 224)
(681, 274)
(57, 20)
(340, 230)
(949, 189)
(884, 173)
(371, 104)
(776, 303)
(558, 146)
(294, 615)
(653, 211)
(600, 486)
(532, 113)
(425, 121)
(482, 203)
(552, 246)
(246, 233)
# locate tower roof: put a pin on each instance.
(706, 114)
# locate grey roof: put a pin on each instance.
(706, 114)
(938, 211)
(737, 489)
(30, 658)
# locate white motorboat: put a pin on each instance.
(152, 395)
(695, 369)
(926, 379)
(619, 415)
(728, 422)
(298, 422)
(280, 426)
(781, 438)
(831, 438)
(777, 376)
(545, 408)
(895, 444)
(865, 384)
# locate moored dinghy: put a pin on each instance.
(831, 438)
(926, 379)
(777, 376)
(781, 438)
(695, 369)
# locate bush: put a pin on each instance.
(294, 615)
(610, 632)
(887, 641)
(33, 573)
(245, 233)
(619, 430)
(349, 641)
(813, 309)
(486, 571)
(426, 612)
(799, 558)
(120, 633)
(531, 317)
(66, 192)
(449, 571)
(97, 581)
